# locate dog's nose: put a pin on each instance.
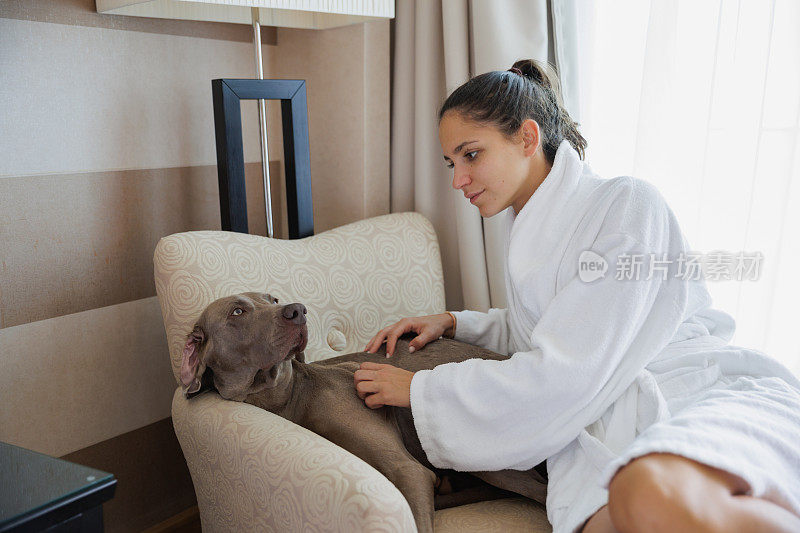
(295, 313)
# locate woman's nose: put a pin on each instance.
(460, 179)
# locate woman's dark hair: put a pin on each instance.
(506, 99)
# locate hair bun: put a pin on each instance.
(530, 68)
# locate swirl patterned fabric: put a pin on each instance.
(255, 471)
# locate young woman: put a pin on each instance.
(622, 379)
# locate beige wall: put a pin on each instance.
(106, 145)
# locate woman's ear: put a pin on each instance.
(530, 136)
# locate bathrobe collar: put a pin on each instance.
(556, 187)
(533, 235)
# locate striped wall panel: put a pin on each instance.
(106, 145)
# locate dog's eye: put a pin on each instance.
(276, 300)
(236, 312)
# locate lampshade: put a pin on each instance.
(307, 14)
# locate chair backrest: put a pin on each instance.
(354, 279)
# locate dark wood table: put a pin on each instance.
(39, 492)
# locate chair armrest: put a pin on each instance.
(255, 471)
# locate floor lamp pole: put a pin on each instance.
(262, 119)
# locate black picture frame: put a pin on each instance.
(228, 94)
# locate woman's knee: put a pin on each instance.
(635, 494)
(660, 492)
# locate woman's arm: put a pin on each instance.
(588, 347)
(487, 330)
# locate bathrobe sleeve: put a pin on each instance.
(588, 346)
(487, 330)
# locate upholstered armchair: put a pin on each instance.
(255, 471)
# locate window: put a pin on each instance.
(702, 100)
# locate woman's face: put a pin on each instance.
(491, 171)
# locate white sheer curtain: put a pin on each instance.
(702, 100)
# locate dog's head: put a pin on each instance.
(242, 344)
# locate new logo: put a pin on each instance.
(591, 266)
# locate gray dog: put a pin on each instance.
(250, 349)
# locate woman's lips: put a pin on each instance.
(472, 200)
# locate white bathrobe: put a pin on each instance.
(607, 370)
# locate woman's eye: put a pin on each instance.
(238, 311)
(469, 155)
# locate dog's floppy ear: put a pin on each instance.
(190, 362)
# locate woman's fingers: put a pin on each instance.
(374, 401)
(368, 347)
(365, 387)
(367, 373)
(376, 341)
(373, 344)
(391, 341)
(369, 365)
(419, 342)
(382, 384)
(365, 382)
(391, 334)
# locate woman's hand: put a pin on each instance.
(378, 385)
(428, 328)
